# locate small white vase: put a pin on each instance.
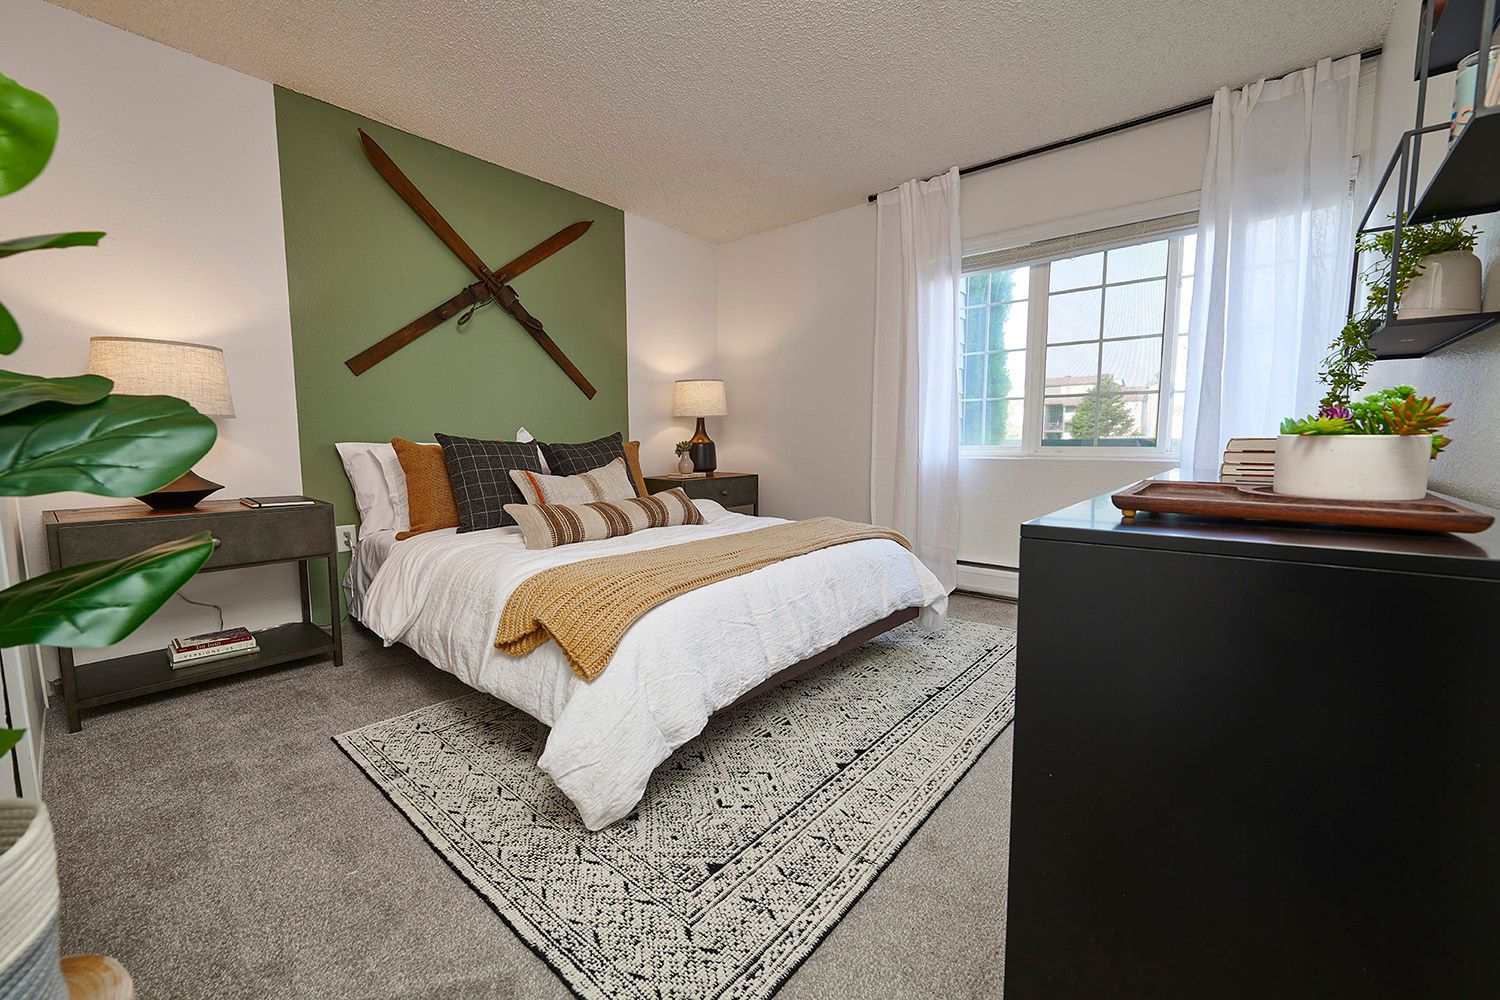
(1449, 285)
(28, 904)
(685, 463)
(1353, 466)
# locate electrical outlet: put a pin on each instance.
(348, 535)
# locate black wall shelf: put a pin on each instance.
(1455, 35)
(1467, 182)
(1415, 338)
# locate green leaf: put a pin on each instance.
(9, 738)
(49, 241)
(28, 131)
(120, 446)
(18, 390)
(99, 603)
(10, 331)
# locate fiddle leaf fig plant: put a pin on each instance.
(28, 134)
(73, 434)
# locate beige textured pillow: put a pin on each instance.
(609, 482)
(544, 526)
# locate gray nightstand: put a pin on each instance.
(243, 536)
(732, 489)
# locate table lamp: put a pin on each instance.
(195, 373)
(700, 397)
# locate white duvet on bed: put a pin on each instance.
(441, 594)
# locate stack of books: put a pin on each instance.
(196, 649)
(1249, 461)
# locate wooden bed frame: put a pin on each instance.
(856, 638)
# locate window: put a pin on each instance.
(1086, 351)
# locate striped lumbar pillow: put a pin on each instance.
(544, 526)
(610, 482)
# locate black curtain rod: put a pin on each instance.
(1108, 130)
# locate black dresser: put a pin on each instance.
(1254, 761)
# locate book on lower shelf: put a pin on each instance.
(207, 646)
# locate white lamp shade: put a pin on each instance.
(143, 367)
(699, 397)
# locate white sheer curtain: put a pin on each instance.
(1275, 244)
(914, 465)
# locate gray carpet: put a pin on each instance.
(220, 845)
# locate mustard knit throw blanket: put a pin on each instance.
(587, 606)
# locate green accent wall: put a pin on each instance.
(360, 264)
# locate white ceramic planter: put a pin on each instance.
(1448, 285)
(28, 904)
(1353, 466)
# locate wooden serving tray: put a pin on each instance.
(1259, 503)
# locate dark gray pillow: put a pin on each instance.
(480, 473)
(576, 459)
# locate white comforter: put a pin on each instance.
(441, 594)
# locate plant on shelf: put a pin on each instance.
(1349, 356)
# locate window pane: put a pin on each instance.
(971, 426)
(1189, 254)
(976, 289)
(1184, 303)
(1179, 401)
(1179, 366)
(1008, 326)
(974, 333)
(1057, 420)
(1007, 286)
(1134, 364)
(1144, 260)
(1076, 272)
(1135, 310)
(1073, 316)
(973, 376)
(1072, 369)
(1007, 375)
(1003, 421)
(1113, 414)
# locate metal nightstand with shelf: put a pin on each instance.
(243, 537)
(732, 489)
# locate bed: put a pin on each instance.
(441, 593)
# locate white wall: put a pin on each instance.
(671, 320)
(796, 345)
(175, 158)
(1468, 374)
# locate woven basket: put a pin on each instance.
(28, 915)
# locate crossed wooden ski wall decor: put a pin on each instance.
(493, 285)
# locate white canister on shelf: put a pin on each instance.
(1449, 285)
(1463, 90)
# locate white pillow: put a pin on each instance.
(372, 494)
(524, 436)
(395, 481)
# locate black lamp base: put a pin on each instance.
(182, 493)
(702, 450)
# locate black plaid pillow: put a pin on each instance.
(575, 459)
(480, 473)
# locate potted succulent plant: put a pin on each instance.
(1376, 448)
(61, 434)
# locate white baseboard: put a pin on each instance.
(987, 580)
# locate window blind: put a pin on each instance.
(1064, 247)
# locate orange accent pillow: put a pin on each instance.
(429, 491)
(633, 463)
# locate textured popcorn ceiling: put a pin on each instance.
(725, 119)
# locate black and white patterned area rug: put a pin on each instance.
(752, 840)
